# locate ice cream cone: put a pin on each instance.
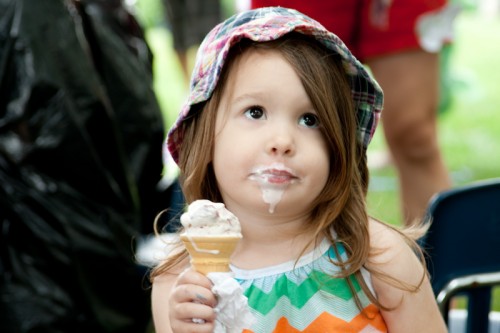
(210, 253)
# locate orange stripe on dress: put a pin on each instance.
(328, 323)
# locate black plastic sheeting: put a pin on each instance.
(80, 162)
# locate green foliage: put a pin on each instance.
(149, 13)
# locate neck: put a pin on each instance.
(270, 240)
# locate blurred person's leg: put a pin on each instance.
(175, 15)
(403, 52)
(190, 21)
(411, 84)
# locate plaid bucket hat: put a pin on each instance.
(267, 24)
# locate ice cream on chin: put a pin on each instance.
(210, 235)
(273, 180)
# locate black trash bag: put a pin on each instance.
(80, 159)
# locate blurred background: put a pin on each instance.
(469, 116)
(469, 119)
(89, 235)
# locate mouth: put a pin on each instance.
(275, 174)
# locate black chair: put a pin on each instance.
(463, 244)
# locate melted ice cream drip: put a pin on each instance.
(273, 181)
(271, 196)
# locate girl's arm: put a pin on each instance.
(178, 298)
(414, 311)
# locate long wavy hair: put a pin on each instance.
(341, 206)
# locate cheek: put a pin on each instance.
(322, 168)
(232, 142)
(223, 147)
(230, 150)
(319, 163)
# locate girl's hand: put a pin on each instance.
(192, 303)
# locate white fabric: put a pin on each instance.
(436, 28)
(233, 314)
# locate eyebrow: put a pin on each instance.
(246, 96)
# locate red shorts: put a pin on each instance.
(350, 20)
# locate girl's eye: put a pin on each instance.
(309, 120)
(255, 112)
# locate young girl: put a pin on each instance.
(276, 127)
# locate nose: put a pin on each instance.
(281, 142)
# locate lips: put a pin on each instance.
(276, 174)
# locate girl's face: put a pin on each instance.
(270, 156)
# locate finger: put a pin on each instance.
(189, 326)
(193, 293)
(193, 317)
(193, 327)
(188, 311)
(190, 276)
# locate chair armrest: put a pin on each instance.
(463, 283)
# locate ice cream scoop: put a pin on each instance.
(210, 235)
(204, 217)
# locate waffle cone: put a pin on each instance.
(210, 253)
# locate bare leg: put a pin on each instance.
(410, 81)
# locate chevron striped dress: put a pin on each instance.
(303, 297)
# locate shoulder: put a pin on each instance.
(162, 286)
(387, 243)
(391, 255)
(400, 282)
(164, 281)
(165, 278)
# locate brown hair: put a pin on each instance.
(341, 206)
